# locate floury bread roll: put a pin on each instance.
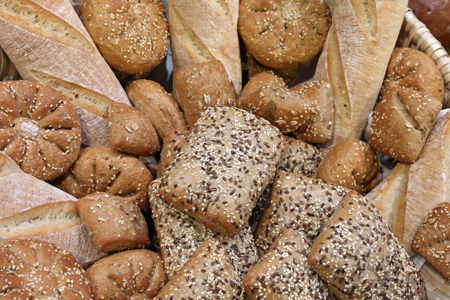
(48, 44)
(355, 57)
(205, 30)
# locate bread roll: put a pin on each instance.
(172, 143)
(355, 57)
(300, 157)
(40, 270)
(48, 44)
(262, 79)
(205, 30)
(127, 275)
(226, 162)
(360, 258)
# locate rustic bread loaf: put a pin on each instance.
(104, 169)
(283, 34)
(226, 162)
(431, 240)
(132, 36)
(296, 202)
(114, 223)
(410, 101)
(284, 273)
(180, 236)
(40, 130)
(201, 86)
(131, 131)
(360, 258)
(352, 164)
(162, 109)
(172, 143)
(208, 274)
(40, 270)
(354, 60)
(48, 44)
(205, 30)
(127, 275)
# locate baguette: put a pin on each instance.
(354, 60)
(48, 44)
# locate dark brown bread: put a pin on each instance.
(225, 164)
(180, 236)
(104, 169)
(283, 34)
(208, 274)
(114, 223)
(284, 273)
(296, 202)
(40, 128)
(132, 36)
(358, 256)
(40, 270)
(127, 275)
(432, 239)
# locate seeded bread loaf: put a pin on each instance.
(226, 162)
(300, 157)
(127, 275)
(358, 256)
(172, 143)
(284, 273)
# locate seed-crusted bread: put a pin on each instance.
(284, 273)
(261, 79)
(180, 236)
(300, 157)
(296, 202)
(360, 258)
(227, 161)
(172, 143)
(208, 274)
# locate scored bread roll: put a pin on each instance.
(355, 57)
(205, 30)
(48, 44)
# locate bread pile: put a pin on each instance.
(263, 188)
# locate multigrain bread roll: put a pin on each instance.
(132, 36)
(354, 60)
(40, 270)
(40, 128)
(284, 273)
(283, 34)
(104, 169)
(114, 223)
(358, 256)
(172, 143)
(226, 162)
(352, 164)
(431, 239)
(410, 101)
(205, 30)
(127, 275)
(48, 44)
(300, 157)
(162, 109)
(208, 274)
(262, 79)
(180, 236)
(296, 202)
(201, 86)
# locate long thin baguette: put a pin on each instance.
(48, 44)
(355, 57)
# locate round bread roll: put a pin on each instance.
(32, 269)
(132, 35)
(352, 164)
(132, 274)
(282, 34)
(104, 169)
(262, 79)
(40, 129)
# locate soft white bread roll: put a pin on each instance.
(205, 30)
(48, 44)
(355, 57)
(32, 208)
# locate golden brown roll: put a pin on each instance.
(128, 274)
(39, 128)
(131, 35)
(172, 143)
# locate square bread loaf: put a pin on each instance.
(226, 162)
